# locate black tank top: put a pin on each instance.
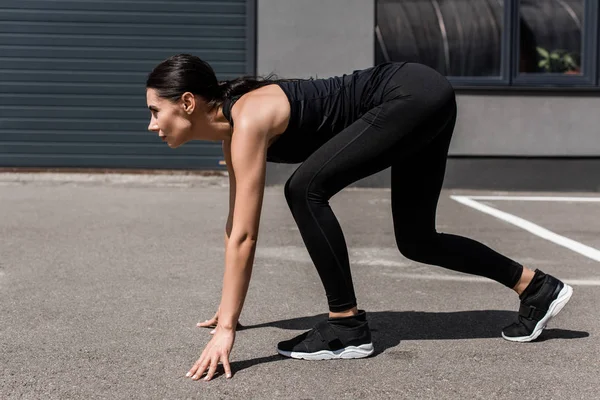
(321, 108)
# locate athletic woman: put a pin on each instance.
(341, 129)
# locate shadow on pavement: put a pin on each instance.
(390, 327)
(561, 334)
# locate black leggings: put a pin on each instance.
(410, 131)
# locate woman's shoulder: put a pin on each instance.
(265, 108)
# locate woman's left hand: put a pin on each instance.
(217, 350)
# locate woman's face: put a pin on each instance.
(172, 121)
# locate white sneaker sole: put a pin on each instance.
(555, 307)
(362, 351)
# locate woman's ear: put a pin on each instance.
(188, 101)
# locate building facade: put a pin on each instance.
(525, 71)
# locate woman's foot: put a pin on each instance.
(541, 300)
(346, 337)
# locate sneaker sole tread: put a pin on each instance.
(350, 352)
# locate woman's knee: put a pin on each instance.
(295, 189)
(290, 191)
(301, 189)
(414, 247)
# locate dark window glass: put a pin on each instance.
(461, 38)
(550, 36)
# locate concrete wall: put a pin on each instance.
(525, 124)
(314, 38)
(321, 38)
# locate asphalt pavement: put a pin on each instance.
(104, 277)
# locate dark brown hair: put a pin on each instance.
(187, 73)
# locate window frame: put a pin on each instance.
(589, 39)
(505, 71)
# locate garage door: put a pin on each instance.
(72, 77)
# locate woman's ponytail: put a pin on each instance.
(240, 86)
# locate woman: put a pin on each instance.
(342, 129)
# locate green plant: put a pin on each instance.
(558, 60)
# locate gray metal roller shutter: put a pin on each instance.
(72, 76)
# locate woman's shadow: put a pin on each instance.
(390, 327)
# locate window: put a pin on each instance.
(493, 42)
(556, 42)
(550, 36)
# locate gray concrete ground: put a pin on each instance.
(102, 281)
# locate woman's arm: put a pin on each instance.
(211, 323)
(248, 163)
(257, 115)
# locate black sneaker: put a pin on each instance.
(347, 337)
(543, 299)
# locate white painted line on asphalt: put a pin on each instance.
(544, 233)
(582, 282)
(537, 198)
(458, 278)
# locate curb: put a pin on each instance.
(170, 179)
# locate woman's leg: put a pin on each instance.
(389, 132)
(416, 184)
